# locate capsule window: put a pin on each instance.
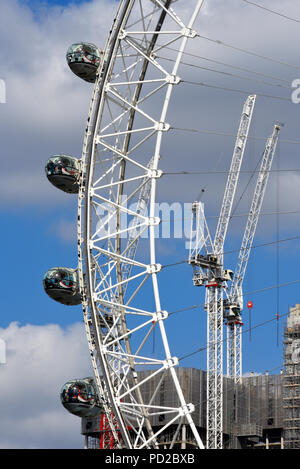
(83, 52)
(76, 392)
(63, 165)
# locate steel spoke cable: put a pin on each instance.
(246, 51)
(246, 187)
(253, 292)
(244, 331)
(212, 171)
(280, 212)
(213, 132)
(219, 42)
(228, 74)
(235, 67)
(293, 238)
(272, 11)
(236, 90)
(227, 134)
(238, 215)
(269, 243)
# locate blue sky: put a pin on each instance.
(37, 4)
(46, 112)
(31, 227)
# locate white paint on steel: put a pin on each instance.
(104, 278)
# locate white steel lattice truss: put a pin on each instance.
(234, 332)
(214, 390)
(215, 313)
(233, 338)
(121, 153)
(208, 271)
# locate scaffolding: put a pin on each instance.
(260, 412)
(291, 385)
(252, 416)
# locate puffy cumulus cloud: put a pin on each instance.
(218, 109)
(46, 105)
(39, 360)
(64, 230)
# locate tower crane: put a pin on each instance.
(208, 271)
(233, 305)
(233, 176)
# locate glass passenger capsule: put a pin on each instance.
(63, 172)
(79, 398)
(84, 59)
(62, 285)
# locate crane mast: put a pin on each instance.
(208, 271)
(200, 240)
(234, 303)
(233, 176)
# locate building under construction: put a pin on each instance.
(291, 380)
(261, 412)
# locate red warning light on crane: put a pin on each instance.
(249, 306)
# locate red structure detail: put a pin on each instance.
(107, 440)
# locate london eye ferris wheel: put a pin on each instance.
(116, 180)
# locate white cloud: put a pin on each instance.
(64, 230)
(46, 113)
(39, 360)
(46, 105)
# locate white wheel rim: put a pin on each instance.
(112, 273)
